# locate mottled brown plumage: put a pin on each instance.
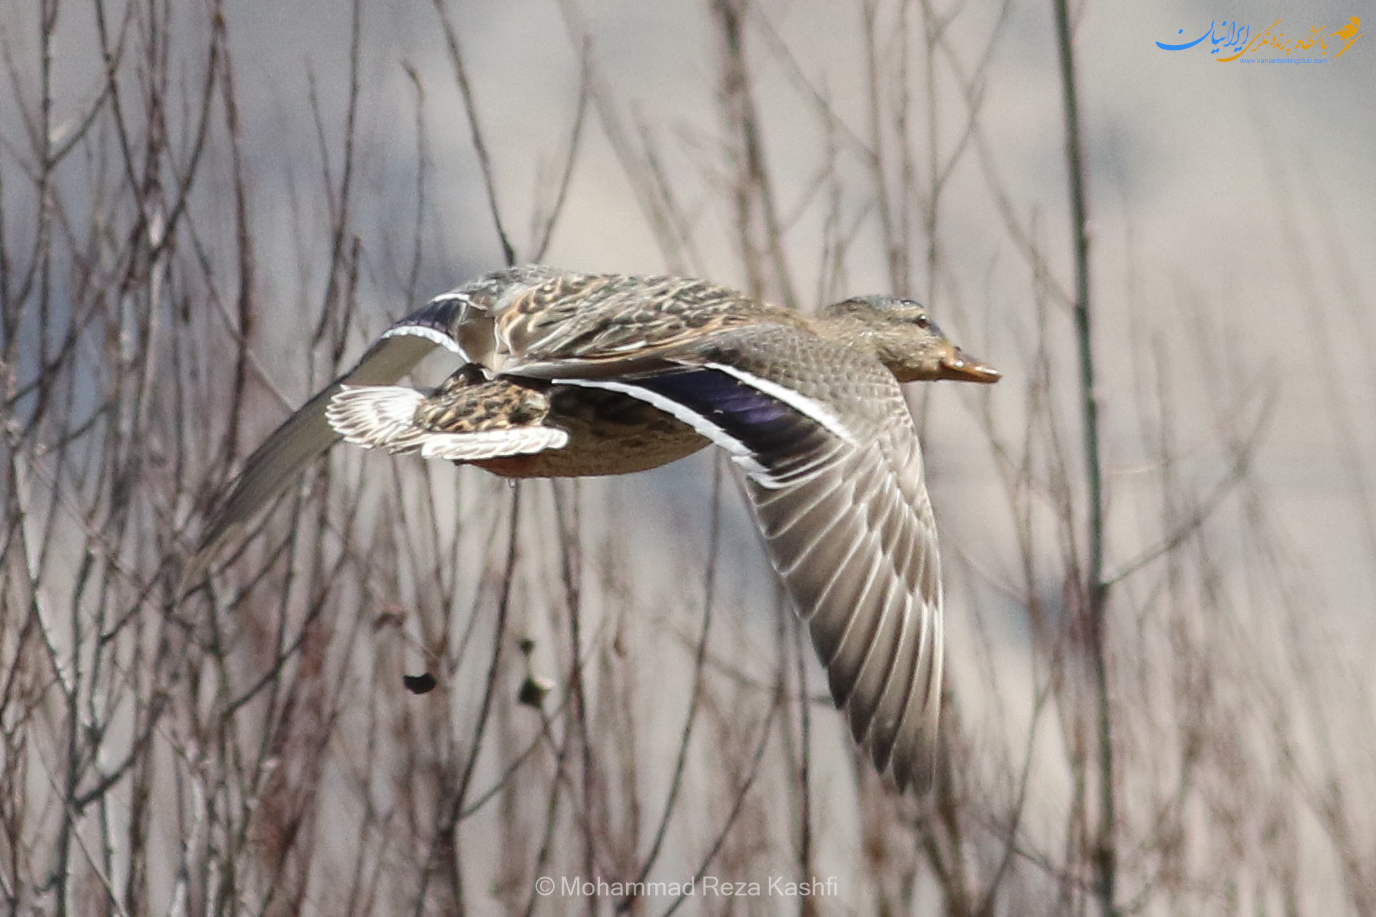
(608, 432)
(577, 374)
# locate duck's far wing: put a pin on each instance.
(835, 478)
(306, 434)
(459, 321)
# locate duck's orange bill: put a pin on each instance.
(956, 365)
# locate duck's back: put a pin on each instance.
(544, 320)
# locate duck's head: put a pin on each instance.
(904, 338)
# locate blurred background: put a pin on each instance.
(207, 211)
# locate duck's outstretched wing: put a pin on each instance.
(459, 320)
(856, 545)
(835, 478)
(306, 434)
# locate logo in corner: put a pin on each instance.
(1235, 37)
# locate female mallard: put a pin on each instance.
(581, 374)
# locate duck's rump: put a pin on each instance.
(515, 427)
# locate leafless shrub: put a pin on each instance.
(1139, 715)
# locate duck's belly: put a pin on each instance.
(609, 433)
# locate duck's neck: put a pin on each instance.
(875, 340)
(849, 330)
(889, 344)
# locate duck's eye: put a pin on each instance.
(922, 320)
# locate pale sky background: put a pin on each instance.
(1244, 189)
(1240, 192)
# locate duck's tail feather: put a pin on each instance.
(385, 415)
(376, 415)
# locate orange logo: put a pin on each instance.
(1238, 38)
